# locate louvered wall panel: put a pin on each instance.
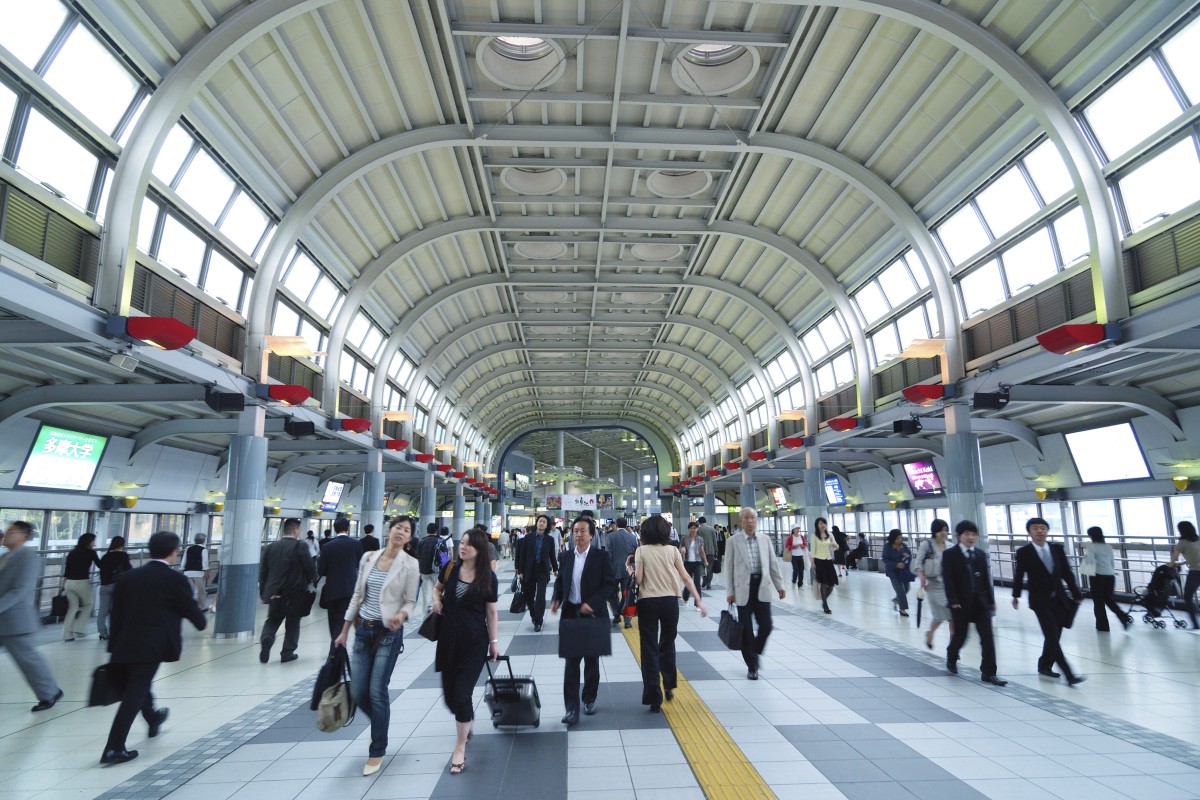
(64, 246)
(24, 222)
(758, 440)
(1080, 297)
(38, 230)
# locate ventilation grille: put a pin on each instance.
(418, 442)
(44, 234)
(904, 373)
(154, 295)
(286, 369)
(843, 402)
(1163, 257)
(758, 441)
(352, 406)
(1048, 309)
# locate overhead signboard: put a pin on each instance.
(62, 459)
(579, 502)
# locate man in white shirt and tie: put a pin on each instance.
(970, 598)
(1053, 594)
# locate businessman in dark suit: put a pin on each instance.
(537, 560)
(338, 565)
(1053, 594)
(585, 582)
(969, 597)
(148, 606)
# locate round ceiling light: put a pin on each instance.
(521, 62)
(546, 297)
(551, 330)
(714, 68)
(533, 180)
(638, 298)
(627, 331)
(678, 184)
(554, 354)
(656, 252)
(540, 251)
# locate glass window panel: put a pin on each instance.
(962, 235)
(774, 372)
(146, 221)
(373, 342)
(64, 529)
(997, 520)
(814, 344)
(358, 329)
(1183, 507)
(843, 368)
(324, 297)
(140, 527)
(1006, 202)
(132, 121)
(51, 156)
(747, 393)
(917, 270)
(1071, 232)
(362, 378)
(245, 223)
(29, 27)
(223, 279)
(170, 157)
(1165, 184)
(1132, 109)
(346, 368)
(301, 277)
(1097, 512)
(831, 331)
(425, 395)
(982, 288)
(181, 249)
(1048, 171)
(1183, 55)
(911, 326)
(1029, 262)
(797, 394)
(90, 77)
(402, 369)
(897, 284)
(312, 335)
(246, 293)
(286, 322)
(206, 186)
(216, 528)
(885, 344)
(1142, 518)
(826, 382)
(871, 303)
(8, 101)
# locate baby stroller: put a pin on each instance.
(1156, 596)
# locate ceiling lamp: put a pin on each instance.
(444, 468)
(1181, 482)
(290, 346)
(714, 68)
(289, 394)
(923, 393)
(733, 465)
(540, 251)
(443, 446)
(712, 473)
(165, 333)
(354, 424)
(760, 455)
(489, 474)
(521, 62)
(472, 464)
(1066, 339)
(459, 474)
(656, 251)
(676, 184)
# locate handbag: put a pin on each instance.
(329, 674)
(518, 604)
(1088, 565)
(630, 601)
(431, 626)
(59, 606)
(730, 630)
(584, 637)
(108, 684)
(717, 565)
(336, 709)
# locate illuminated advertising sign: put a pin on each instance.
(62, 459)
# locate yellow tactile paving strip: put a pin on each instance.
(720, 766)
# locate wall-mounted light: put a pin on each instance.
(289, 394)
(731, 445)
(1067, 339)
(472, 464)
(165, 333)
(761, 455)
(712, 473)
(673, 474)
(733, 465)
(290, 346)
(923, 393)
(1181, 482)
(843, 424)
(354, 424)
(489, 475)
(792, 442)
(218, 506)
(423, 458)
(396, 444)
(442, 446)
(1042, 492)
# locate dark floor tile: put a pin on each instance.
(911, 768)
(857, 732)
(836, 750)
(885, 748)
(694, 667)
(808, 733)
(878, 715)
(703, 641)
(943, 790)
(877, 790)
(857, 770)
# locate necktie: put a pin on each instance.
(1046, 559)
(972, 567)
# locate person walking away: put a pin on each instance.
(195, 569)
(112, 564)
(20, 568)
(658, 570)
(971, 600)
(929, 571)
(896, 560)
(752, 561)
(797, 545)
(1098, 563)
(285, 572)
(694, 556)
(824, 571)
(368, 541)
(427, 562)
(621, 545)
(314, 547)
(537, 560)
(77, 585)
(1188, 549)
(709, 535)
(584, 584)
(338, 565)
(842, 549)
(385, 597)
(469, 633)
(1045, 565)
(149, 606)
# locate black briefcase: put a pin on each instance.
(59, 606)
(108, 684)
(518, 604)
(730, 631)
(1069, 607)
(584, 637)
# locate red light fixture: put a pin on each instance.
(165, 333)
(733, 465)
(674, 487)
(460, 475)
(355, 424)
(396, 444)
(712, 473)
(289, 394)
(792, 441)
(444, 468)
(923, 393)
(843, 424)
(758, 455)
(1066, 339)
(424, 458)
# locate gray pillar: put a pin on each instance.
(815, 504)
(747, 498)
(372, 502)
(710, 502)
(481, 510)
(237, 595)
(460, 512)
(428, 505)
(963, 476)
(619, 497)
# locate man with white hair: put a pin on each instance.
(751, 559)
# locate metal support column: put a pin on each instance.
(460, 512)
(747, 499)
(815, 504)
(710, 502)
(245, 496)
(428, 507)
(964, 473)
(372, 502)
(562, 484)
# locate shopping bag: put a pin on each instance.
(630, 602)
(730, 630)
(584, 637)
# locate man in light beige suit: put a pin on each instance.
(750, 558)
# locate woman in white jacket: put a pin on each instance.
(385, 597)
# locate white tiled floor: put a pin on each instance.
(1006, 747)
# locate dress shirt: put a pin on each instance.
(753, 555)
(1046, 556)
(577, 576)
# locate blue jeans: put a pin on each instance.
(900, 586)
(369, 679)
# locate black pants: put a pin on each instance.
(852, 559)
(1102, 597)
(617, 603)
(658, 621)
(535, 597)
(458, 682)
(754, 612)
(797, 569)
(977, 611)
(591, 670)
(1190, 585)
(708, 571)
(1050, 619)
(135, 698)
(695, 570)
(337, 616)
(276, 614)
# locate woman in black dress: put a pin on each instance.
(843, 549)
(468, 635)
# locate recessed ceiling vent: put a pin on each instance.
(521, 62)
(638, 298)
(678, 183)
(714, 68)
(533, 180)
(546, 297)
(656, 252)
(540, 251)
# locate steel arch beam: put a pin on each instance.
(1149, 403)
(892, 443)
(843, 456)
(159, 431)
(661, 451)
(671, 415)
(527, 385)
(519, 368)
(534, 419)
(29, 401)
(184, 81)
(1020, 433)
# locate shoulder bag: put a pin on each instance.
(1088, 565)
(335, 709)
(431, 627)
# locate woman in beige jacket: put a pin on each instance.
(385, 597)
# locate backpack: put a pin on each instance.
(443, 551)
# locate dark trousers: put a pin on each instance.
(797, 569)
(1190, 585)
(1050, 619)
(977, 611)
(1102, 597)
(754, 612)
(458, 682)
(852, 559)
(276, 614)
(337, 616)
(591, 670)
(535, 596)
(708, 571)
(695, 570)
(658, 621)
(617, 603)
(135, 698)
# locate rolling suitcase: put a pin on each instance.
(512, 700)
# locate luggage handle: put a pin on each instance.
(506, 660)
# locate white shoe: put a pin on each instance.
(371, 769)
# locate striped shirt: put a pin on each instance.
(753, 555)
(370, 610)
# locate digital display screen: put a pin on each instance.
(520, 482)
(923, 478)
(833, 491)
(62, 459)
(554, 501)
(333, 496)
(778, 496)
(1105, 454)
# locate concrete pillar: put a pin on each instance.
(482, 517)
(245, 496)
(963, 477)
(428, 507)
(372, 502)
(460, 512)
(710, 502)
(619, 497)
(562, 484)
(747, 499)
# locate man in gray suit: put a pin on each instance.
(751, 563)
(19, 571)
(708, 535)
